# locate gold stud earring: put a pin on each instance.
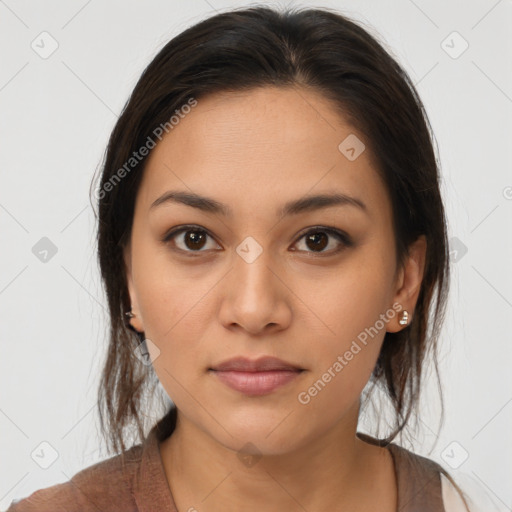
(404, 319)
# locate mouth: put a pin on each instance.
(256, 377)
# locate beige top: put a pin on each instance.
(142, 485)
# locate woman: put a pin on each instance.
(272, 241)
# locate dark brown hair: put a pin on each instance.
(323, 51)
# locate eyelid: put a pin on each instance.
(343, 237)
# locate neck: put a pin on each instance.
(333, 471)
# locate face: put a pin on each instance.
(209, 284)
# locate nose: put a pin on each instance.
(256, 297)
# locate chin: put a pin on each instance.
(261, 434)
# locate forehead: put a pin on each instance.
(262, 145)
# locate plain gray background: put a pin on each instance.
(57, 111)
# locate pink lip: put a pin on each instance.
(257, 383)
(264, 363)
(256, 377)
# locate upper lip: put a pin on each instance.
(262, 364)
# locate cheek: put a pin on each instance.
(349, 299)
(175, 317)
(351, 309)
(176, 307)
(329, 396)
(171, 296)
(345, 358)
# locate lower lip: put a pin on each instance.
(256, 383)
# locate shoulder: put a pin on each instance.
(478, 497)
(97, 487)
(409, 466)
(422, 480)
(452, 496)
(429, 479)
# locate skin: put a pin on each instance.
(254, 151)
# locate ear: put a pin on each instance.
(135, 321)
(408, 283)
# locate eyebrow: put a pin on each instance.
(295, 207)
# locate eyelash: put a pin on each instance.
(341, 236)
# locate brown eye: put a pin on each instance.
(191, 239)
(318, 239)
(194, 239)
